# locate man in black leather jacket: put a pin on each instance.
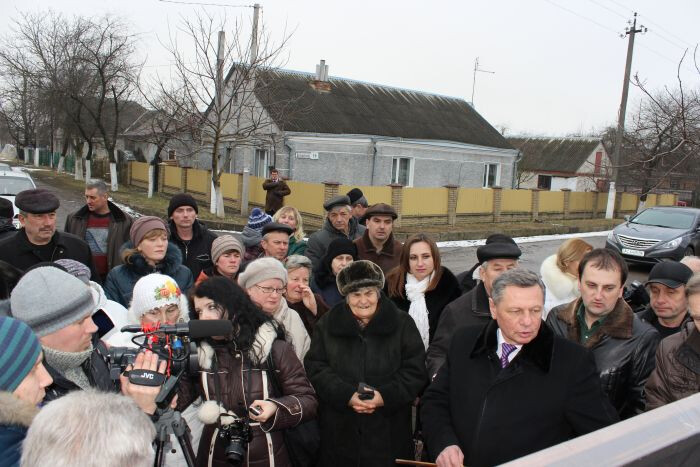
(624, 347)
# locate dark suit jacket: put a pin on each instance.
(548, 394)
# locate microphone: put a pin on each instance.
(195, 329)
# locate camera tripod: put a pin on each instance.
(170, 422)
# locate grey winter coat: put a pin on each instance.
(319, 241)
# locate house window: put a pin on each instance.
(598, 162)
(544, 182)
(491, 175)
(675, 183)
(171, 155)
(260, 164)
(402, 171)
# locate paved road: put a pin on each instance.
(458, 259)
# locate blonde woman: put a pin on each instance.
(560, 273)
(290, 216)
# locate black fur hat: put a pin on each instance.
(359, 274)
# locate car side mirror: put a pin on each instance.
(627, 217)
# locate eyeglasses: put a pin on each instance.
(269, 290)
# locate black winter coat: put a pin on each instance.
(436, 300)
(549, 393)
(119, 226)
(95, 368)
(317, 246)
(470, 309)
(120, 282)
(624, 348)
(387, 355)
(19, 252)
(196, 253)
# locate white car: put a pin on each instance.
(11, 183)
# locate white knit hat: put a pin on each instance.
(154, 291)
(260, 270)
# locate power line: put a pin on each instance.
(657, 25)
(609, 9)
(583, 17)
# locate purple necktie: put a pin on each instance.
(506, 349)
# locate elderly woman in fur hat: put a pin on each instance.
(252, 373)
(367, 364)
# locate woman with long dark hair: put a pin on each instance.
(236, 383)
(420, 285)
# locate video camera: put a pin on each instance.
(171, 342)
(636, 296)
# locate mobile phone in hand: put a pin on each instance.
(255, 410)
(365, 392)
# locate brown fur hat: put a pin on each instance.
(359, 274)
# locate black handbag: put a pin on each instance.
(303, 442)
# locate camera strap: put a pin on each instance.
(146, 378)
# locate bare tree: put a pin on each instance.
(217, 78)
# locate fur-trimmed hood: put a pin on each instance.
(14, 411)
(558, 283)
(266, 335)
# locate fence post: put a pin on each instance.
(452, 193)
(497, 194)
(210, 190)
(129, 172)
(594, 211)
(245, 192)
(239, 190)
(618, 203)
(567, 202)
(397, 201)
(535, 203)
(36, 157)
(161, 177)
(183, 179)
(330, 190)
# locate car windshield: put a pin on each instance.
(13, 185)
(664, 218)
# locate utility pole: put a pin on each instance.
(476, 68)
(616, 159)
(254, 40)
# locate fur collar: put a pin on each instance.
(560, 284)
(14, 411)
(618, 324)
(169, 265)
(538, 351)
(264, 338)
(114, 211)
(341, 322)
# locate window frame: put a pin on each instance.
(395, 163)
(487, 172)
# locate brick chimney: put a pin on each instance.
(321, 83)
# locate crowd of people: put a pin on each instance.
(348, 347)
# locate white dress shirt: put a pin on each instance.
(499, 348)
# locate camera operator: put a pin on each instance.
(244, 412)
(58, 307)
(157, 299)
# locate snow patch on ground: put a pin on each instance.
(533, 239)
(127, 209)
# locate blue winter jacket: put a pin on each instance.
(15, 418)
(120, 282)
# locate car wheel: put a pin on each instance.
(689, 251)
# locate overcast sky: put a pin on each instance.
(558, 63)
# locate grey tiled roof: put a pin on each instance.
(359, 108)
(554, 154)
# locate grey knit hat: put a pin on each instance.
(224, 243)
(357, 275)
(261, 270)
(48, 300)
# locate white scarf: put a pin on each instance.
(415, 292)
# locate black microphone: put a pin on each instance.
(195, 329)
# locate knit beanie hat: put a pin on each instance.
(19, 349)
(261, 270)
(359, 274)
(48, 299)
(6, 209)
(224, 243)
(257, 219)
(76, 269)
(340, 246)
(143, 225)
(182, 199)
(154, 291)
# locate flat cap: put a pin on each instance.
(342, 200)
(669, 273)
(36, 201)
(277, 227)
(497, 250)
(380, 209)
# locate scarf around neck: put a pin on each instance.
(415, 292)
(69, 364)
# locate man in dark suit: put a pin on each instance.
(511, 387)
